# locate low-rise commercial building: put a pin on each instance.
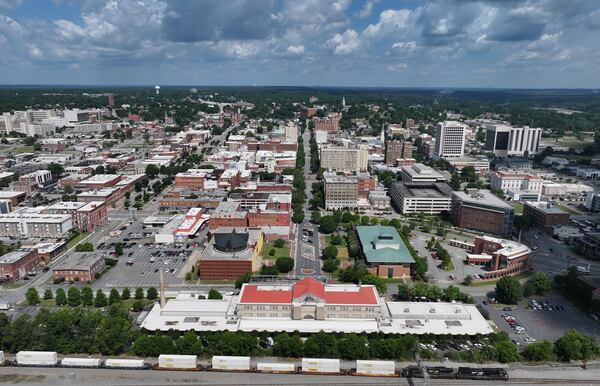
(513, 181)
(16, 264)
(79, 267)
(500, 257)
(384, 251)
(344, 159)
(589, 244)
(32, 223)
(482, 211)
(421, 173)
(545, 215)
(421, 197)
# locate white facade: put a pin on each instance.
(511, 181)
(450, 139)
(421, 173)
(505, 140)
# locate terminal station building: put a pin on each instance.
(384, 251)
(309, 306)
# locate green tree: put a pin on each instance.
(353, 347)
(315, 217)
(245, 278)
(279, 243)
(137, 306)
(336, 239)
(509, 290)
(330, 265)
(539, 352)
(284, 264)
(330, 252)
(287, 346)
(126, 294)
(139, 293)
(539, 284)
(321, 345)
(73, 297)
(87, 296)
(507, 351)
(189, 344)
(84, 247)
(214, 294)
(32, 296)
(100, 299)
(152, 293)
(377, 281)
(575, 346)
(48, 294)
(152, 171)
(56, 170)
(327, 224)
(468, 280)
(119, 249)
(114, 297)
(60, 298)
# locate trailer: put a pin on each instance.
(117, 363)
(320, 366)
(277, 368)
(81, 362)
(231, 363)
(177, 362)
(2, 358)
(37, 358)
(376, 368)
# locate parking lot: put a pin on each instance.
(419, 243)
(548, 321)
(140, 265)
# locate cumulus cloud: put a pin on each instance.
(345, 43)
(295, 50)
(10, 4)
(367, 9)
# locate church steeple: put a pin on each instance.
(343, 102)
(383, 132)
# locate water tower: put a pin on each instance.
(157, 88)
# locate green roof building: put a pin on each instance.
(384, 251)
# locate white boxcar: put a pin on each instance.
(317, 365)
(124, 363)
(168, 361)
(1, 358)
(276, 367)
(37, 358)
(382, 368)
(80, 362)
(230, 363)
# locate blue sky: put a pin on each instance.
(368, 43)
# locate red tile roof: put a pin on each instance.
(309, 285)
(251, 294)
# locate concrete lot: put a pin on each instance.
(419, 243)
(544, 324)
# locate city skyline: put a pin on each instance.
(453, 44)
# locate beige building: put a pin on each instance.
(344, 159)
(340, 192)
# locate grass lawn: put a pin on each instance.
(566, 142)
(24, 149)
(217, 282)
(11, 285)
(77, 239)
(518, 208)
(342, 248)
(279, 252)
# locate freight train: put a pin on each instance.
(320, 366)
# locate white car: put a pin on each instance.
(529, 339)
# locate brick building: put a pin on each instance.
(482, 211)
(79, 267)
(384, 251)
(397, 149)
(545, 215)
(15, 265)
(499, 257)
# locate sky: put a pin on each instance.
(347, 43)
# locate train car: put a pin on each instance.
(37, 358)
(2, 359)
(224, 363)
(320, 366)
(81, 362)
(412, 372)
(277, 368)
(118, 363)
(177, 362)
(483, 373)
(440, 372)
(376, 368)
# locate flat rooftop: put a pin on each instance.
(78, 261)
(482, 197)
(424, 189)
(14, 256)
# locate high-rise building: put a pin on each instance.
(504, 140)
(397, 149)
(111, 100)
(450, 139)
(344, 159)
